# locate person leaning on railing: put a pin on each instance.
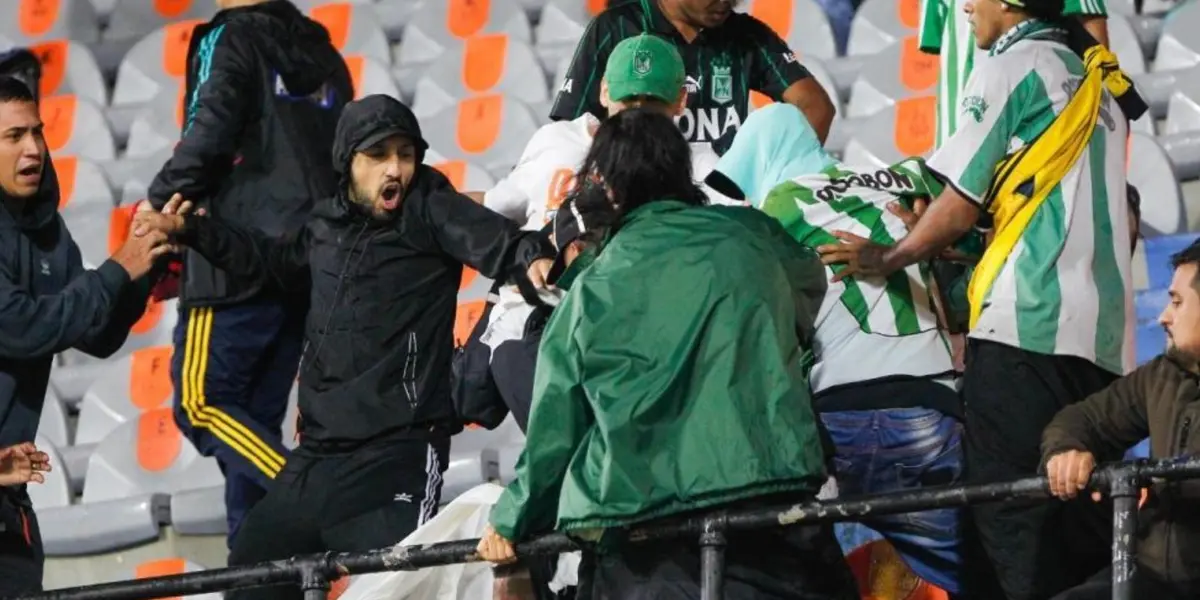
(670, 380)
(1158, 399)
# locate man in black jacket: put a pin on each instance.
(48, 303)
(380, 263)
(264, 91)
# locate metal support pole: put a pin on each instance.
(1124, 488)
(314, 578)
(712, 558)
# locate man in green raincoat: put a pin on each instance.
(672, 379)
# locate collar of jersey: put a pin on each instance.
(1032, 29)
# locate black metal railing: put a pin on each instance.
(1123, 482)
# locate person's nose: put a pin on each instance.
(1164, 318)
(30, 148)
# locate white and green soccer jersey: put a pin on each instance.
(946, 32)
(1065, 288)
(866, 328)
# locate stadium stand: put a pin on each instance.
(132, 491)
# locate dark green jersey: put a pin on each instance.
(723, 64)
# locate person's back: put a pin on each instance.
(666, 321)
(868, 329)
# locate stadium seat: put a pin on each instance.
(1177, 48)
(68, 67)
(488, 63)
(443, 24)
(53, 421)
(1182, 106)
(1152, 171)
(76, 125)
(27, 22)
(92, 229)
(82, 186)
(881, 23)
(1158, 257)
(894, 133)
(354, 29)
(801, 23)
(560, 27)
(132, 19)
(158, 125)
(146, 455)
(161, 567)
(129, 386)
(899, 71)
(156, 63)
(56, 491)
(473, 460)
(489, 130)
(200, 511)
(465, 176)
(130, 177)
(1125, 44)
(370, 77)
(130, 477)
(820, 72)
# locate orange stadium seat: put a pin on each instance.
(894, 133)
(134, 384)
(881, 23)
(132, 19)
(354, 29)
(487, 63)
(900, 71)
(75, 125)
(27, 22)
(801, 23)
(68, 67)
(489, 130)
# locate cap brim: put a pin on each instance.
(384, 134)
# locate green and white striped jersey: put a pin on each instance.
(946, 32)
(1065, 288)
(866, 328)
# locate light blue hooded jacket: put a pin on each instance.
(775, 143)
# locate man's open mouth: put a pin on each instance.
(30, 171)
(390, 194)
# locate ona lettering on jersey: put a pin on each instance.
(884, 179)
(708, 124)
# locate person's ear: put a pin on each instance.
(680, 104)
(605, 101)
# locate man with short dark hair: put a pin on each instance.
(379, 264)
(48, 303)
(726, 54)
(1158, 399)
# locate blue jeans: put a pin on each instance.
(902, 449)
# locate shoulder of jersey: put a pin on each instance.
(557, 134)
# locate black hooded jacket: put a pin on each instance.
(382, 294)
(50, 303)
(265, 88)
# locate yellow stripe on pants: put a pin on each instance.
(201, 415)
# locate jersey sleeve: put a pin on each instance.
(989, 113)
(933, 25)
(507, 198)
(580, 91)
(774, 67)
(1076, 8)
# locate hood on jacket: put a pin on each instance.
(774, 144)
(297, 47)
(39, 209)
(366, 122)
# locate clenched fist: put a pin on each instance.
(1069, 472)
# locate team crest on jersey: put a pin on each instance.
(975, 106)
(722, 80)
(641, 62)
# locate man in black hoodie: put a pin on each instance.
(380, 263)
(48, 303)
(265, 87)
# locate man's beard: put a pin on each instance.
(1183, 357)
(366, 203)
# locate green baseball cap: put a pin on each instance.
(644, 65)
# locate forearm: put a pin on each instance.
(947, 219)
